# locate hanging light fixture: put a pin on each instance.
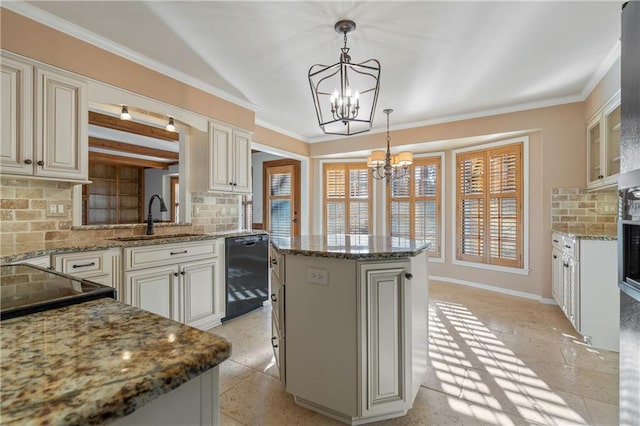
(345, 94)
(171, 127)
(386, 166)
(124, 115)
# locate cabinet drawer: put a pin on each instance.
(570, 246)
(277, 264)
(556, 240)
(86, 264)
(147, 256)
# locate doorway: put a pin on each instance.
(281, 195)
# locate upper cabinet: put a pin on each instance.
(44, 121)
(228, 159)
(603, 145)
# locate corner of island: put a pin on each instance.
(350, 323)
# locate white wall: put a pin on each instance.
(157, 181)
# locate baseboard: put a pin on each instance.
(494, 288)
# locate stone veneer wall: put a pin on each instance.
(213, 212)
(576, 211)
(23, 218)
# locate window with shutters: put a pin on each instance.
(489, 206)
(413, 204)
(347, 201)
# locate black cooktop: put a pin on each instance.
(25, 289)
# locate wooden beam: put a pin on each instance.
(126, 161)
(132, 149)
(110, 122)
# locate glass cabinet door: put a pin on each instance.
(593, 135)
(613, 141)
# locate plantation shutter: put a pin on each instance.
(489, 206)
(347, 201)
(413, 205)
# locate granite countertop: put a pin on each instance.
(21, 252)
(579, 236)
(95, 362)
(361, 247)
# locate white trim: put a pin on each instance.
(492, 288)
(82, 34)
(604, 67)
(435, 259)
(525, 220)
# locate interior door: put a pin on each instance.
(281, 195)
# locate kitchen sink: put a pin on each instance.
(156, 237)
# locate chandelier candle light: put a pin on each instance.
(345, 94)
(386, 166)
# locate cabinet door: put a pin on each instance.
(155, 290)
(612, 137)
(61, 126)
(199, 283)
(594, 150)
(242, 162)
(383, 300)
(221, 157)
(556, 276)
(574, 291)
(16, 94)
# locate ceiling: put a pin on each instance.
(440, 61)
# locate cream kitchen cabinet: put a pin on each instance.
(354, 333)
(603, 145)
(179, 281)
(222, 158)
(44, 121)
(101, 266)
(585, 287)
(41, 261)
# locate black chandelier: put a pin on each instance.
(386, 166)
(345, 94)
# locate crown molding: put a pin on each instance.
(22, 8)
(612, 56)
(275, 128)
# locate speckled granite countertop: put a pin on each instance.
(588, 236)
(361, 247)
(21, 252)
(95, 362)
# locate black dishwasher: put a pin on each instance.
(247, 273)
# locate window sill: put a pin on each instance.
(509, 270)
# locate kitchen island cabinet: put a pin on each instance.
(351, 324)
(99, 362)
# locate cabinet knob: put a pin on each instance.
(566, 246)
(273, 341)
(231, 183)
(27, 161)
(274, 298)
(182, 273)
(40, 163)
(555, 257)
(408, 276)
(175, 274)
(274, 261)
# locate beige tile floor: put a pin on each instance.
(495, 360)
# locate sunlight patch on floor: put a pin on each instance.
(484, 378)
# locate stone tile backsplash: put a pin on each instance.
(576, 211)
(24, 219)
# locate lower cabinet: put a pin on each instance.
(187, 290)
(354, 333)
(585, 286)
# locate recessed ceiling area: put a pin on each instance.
(440, 61)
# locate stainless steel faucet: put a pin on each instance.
(163, 208)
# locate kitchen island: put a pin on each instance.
(103, 362)
(350, 323)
